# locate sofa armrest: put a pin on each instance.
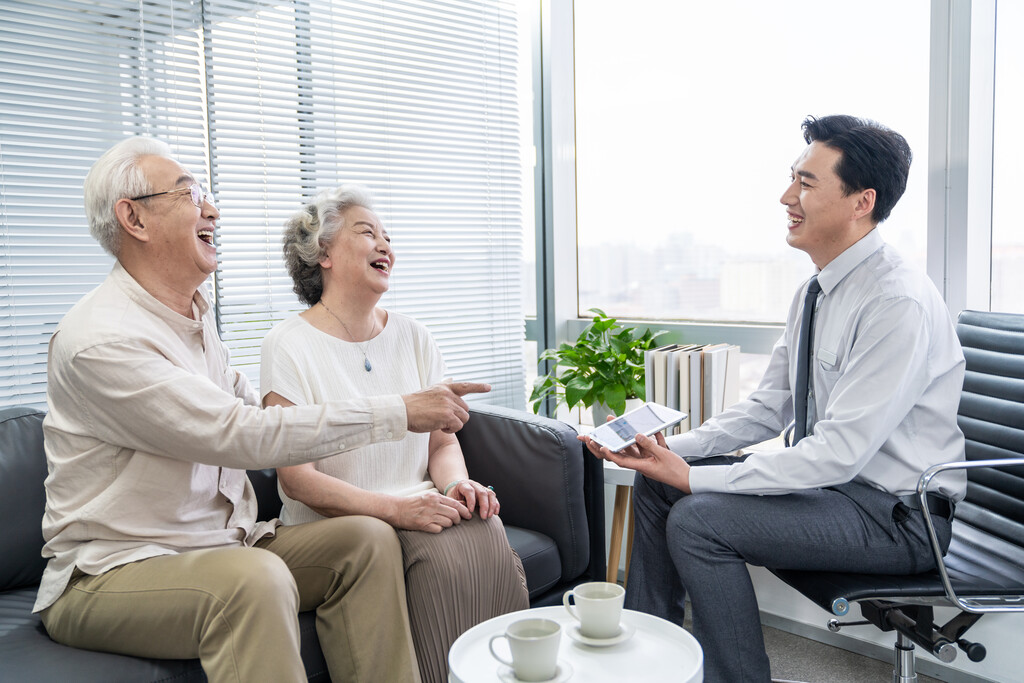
(544, 479)
(22, 496)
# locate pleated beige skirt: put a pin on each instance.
(454, 580)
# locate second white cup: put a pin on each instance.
(533, 644)
(598, 608)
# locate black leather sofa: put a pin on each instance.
(552, 505)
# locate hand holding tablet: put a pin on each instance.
(621, 432)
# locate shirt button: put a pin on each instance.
(341, 445)
(391, 435)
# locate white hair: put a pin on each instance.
(115, 176)
(308, 232)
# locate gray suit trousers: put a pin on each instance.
(700, 544)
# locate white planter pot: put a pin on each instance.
(601, 412)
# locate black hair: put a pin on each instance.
(873, 157)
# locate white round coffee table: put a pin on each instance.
(658, 650)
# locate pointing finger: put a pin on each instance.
(463, 388)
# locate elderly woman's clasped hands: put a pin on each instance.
(432, 512)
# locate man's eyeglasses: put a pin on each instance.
(195, 191)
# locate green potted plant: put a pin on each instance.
(605, 366)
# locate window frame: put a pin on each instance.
(961, 110)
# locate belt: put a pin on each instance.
(937, 505)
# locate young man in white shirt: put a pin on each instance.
(883, 386)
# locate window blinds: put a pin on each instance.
(74, 78)
(416, 100)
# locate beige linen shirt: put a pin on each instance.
(150, 431)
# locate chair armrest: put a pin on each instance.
(544, 480)
(975, 605)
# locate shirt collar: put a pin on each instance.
(150, 303)
(841, 266)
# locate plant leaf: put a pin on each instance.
(615, 398)
(576, 389)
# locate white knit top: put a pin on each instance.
(307, 366)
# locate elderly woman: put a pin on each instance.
(459, 568)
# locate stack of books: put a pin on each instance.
(701, 380)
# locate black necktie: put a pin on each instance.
(803, 360)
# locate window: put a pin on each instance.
(271, 102)
(685, 133)
(1007, 174)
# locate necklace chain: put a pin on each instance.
(366, 361)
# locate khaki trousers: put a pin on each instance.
(236, 609)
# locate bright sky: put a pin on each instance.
(688, 114)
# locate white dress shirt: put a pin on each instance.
(887, 373)
(150, 431)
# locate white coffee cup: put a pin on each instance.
(534, 647)
(598, 608)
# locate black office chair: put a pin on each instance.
(983, 571)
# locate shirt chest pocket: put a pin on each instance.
(231, 484)
(829, 368)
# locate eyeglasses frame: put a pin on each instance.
(193, 193)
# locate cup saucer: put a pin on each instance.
(626, 632)
(563, 672)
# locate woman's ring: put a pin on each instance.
(490, 488)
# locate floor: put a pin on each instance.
(795, 658)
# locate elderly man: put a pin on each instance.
(150, 526)
(870, 367)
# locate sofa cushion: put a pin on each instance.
(22, 496)
(28, 654)
(540, 557)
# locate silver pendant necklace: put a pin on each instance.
(366, 361)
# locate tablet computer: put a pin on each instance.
(647, 419)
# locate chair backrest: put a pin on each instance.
(22, 497)
(991, 416)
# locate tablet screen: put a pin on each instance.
(640, 421)
(647, 419)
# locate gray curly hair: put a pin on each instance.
(308, 232)
(115, 176)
